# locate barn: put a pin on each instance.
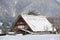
(31, 23)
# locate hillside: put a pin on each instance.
(49, 8)
(10, 8)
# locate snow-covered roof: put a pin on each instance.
(38, 23)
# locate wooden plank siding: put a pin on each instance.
(20, 21)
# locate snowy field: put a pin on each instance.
(31, 37)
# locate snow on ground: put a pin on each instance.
(31, 37)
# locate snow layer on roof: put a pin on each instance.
(38, 23)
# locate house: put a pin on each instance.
(31, 23)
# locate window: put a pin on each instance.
(21, 26)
